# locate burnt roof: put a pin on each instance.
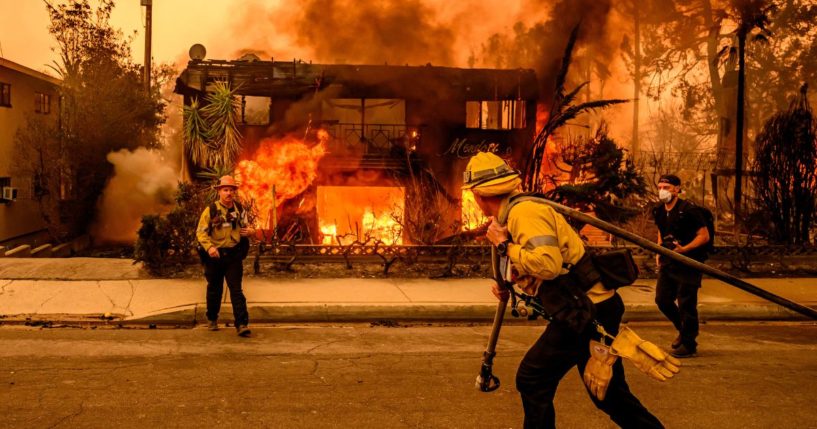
(295, 79)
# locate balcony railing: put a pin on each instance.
(371, 139)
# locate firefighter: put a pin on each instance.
(223, 234)
(543, 248)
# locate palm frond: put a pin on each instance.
(196, 133)
(567, 99)
(221, 112)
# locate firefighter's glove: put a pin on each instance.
(645, 355)
(599, 369)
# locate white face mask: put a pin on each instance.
(665, 196)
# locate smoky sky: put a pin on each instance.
(413, 32)
(374, 32)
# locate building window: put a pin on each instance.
(42, 103)
(5, 94)
(495, 115)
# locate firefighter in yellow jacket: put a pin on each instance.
(542, 248)
(223, 241)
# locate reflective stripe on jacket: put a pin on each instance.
(543, 242)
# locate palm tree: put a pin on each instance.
(753, 18)
(211, 135)
(561, 111)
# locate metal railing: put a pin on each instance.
(387, 255)
(370, 138)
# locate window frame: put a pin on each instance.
(5, 88)
(512, 112)
(42, 103)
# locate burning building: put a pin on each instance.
(337, 153)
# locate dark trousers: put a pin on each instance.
(560, 349)
(681, 284)
(229, 266)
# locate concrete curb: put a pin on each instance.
(189, 315)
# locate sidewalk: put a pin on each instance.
(127, 296)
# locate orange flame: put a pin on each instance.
(353, 213)
(472, 216)
(289, 164)
(542, 116)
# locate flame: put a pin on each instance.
(330, 233)
(288, 163)
(472, 216)
(354, 213)
(542, 116)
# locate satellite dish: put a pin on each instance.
(197, 52)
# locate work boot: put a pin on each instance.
(243, 331)
(212, 325)
(677, 342)
(683, 352)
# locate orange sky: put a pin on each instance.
(177, 24)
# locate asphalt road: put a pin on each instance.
(749, 375)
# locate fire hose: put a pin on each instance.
(488, 382)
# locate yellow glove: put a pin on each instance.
(599, 369)
(645, 355)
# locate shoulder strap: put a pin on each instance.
(516, 199)
(213, 209)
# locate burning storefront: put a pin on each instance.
(333, 154)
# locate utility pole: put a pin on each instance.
(740, 130)
(148, 4)
(637, 73)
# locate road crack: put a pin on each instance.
(70, 416)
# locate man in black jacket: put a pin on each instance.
(681, 228)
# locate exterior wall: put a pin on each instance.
(22, 217)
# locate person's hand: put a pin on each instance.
(213, 252)
(497, 233)
(679, 248)
(500, 293)
(247, 232)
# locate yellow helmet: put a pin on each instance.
(487, 169)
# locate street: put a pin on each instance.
(747, 375)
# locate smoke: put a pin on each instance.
(541, 45)
(396, 32)
(144, 182)
(521, 34)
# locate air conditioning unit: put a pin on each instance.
(9, 193)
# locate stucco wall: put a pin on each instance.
(22, 216)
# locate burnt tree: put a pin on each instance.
(786, 178)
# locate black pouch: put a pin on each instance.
(566, 303)
(617, 268)
(584, 273)
(243, 247)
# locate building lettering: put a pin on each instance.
(462, 148)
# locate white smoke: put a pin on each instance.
(144, 182)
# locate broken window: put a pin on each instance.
(42, 103)
(255, 110)
(495, 115)
(5, 94)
